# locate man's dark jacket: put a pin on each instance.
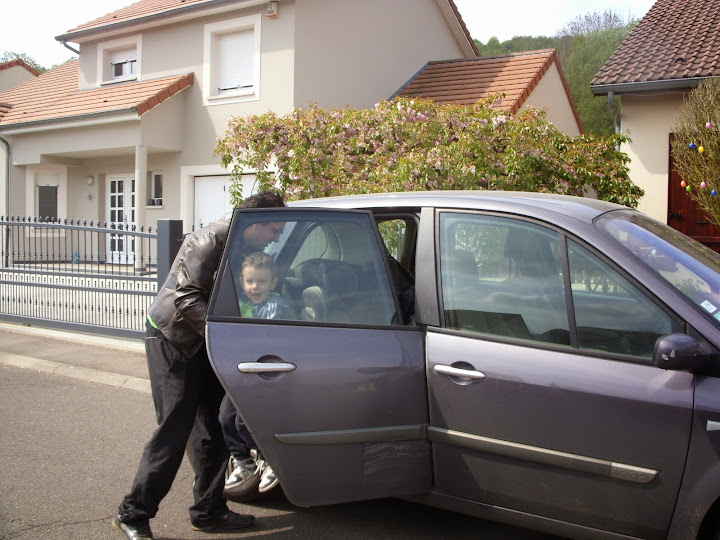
(180, 307)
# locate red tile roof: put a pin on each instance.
(145, 10)
(135, 12)
(468, 81)
(18, 62)
(676, 41)
(53, 96)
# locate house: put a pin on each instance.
(15, 72)
(671, 50)
(126, 132)
(526, 79)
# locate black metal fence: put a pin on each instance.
(81, 276)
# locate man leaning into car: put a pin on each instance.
(185, 390)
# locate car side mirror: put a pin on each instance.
(680, 352)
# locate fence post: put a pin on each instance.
(169, 239)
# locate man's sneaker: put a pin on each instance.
(242, 477)
(268, 480)
(133, 531)
(228, 521)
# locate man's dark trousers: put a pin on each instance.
(187, 398)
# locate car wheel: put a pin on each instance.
(244, 497)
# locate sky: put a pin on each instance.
(30, 26)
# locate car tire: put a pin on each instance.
(245, 497)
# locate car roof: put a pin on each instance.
(547, 206)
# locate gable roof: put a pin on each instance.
(54, 97)
(675, 45)
(142, 11)
(18, 62)
(465, 82)
(153, 11)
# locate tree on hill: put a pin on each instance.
(583, 45)
(414, 145)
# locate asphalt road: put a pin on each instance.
(69, 448)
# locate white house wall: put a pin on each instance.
(648, 120)
(32, 148)
(549, 94)
(178, 49)
(356, 53)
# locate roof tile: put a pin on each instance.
(138, 10)
(54, 96)
(465, 82)
(674, 40)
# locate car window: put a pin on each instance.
(503, 277)
(689, 267)
(399, 234)
(330, 268)
(611, 314)
(393, 232)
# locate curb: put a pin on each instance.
(74, 372)
(130, 345)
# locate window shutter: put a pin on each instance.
(120, 57)
(235, 59)
(47, 178)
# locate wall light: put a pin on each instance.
(90, 180)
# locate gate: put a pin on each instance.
(62, 275)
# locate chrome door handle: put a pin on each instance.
(265, 367)
(456, 372)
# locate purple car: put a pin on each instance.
(546, 361)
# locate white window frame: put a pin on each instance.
(35, 176)
(155, 201)
(107, 49)
(212, 32)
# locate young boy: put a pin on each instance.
(246, 469)
(258, 279)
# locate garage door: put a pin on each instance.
(212, 197)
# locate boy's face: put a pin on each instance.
(257, 283)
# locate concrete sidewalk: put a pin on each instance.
(111, 361)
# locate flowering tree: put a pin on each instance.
(696, 147)
(411, 145)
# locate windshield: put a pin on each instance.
(690, 267)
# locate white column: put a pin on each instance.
(140, 186)
(140, 194)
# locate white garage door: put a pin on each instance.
(212, 197)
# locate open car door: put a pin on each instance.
(336, 396)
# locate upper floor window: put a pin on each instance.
(119, 60)
(231, 70)
(123, 63)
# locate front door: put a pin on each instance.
(121, 216)
(335, 398)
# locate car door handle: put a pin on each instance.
(456, 372)
(266, 367)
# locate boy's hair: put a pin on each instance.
(263, 199)
(258, 259)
